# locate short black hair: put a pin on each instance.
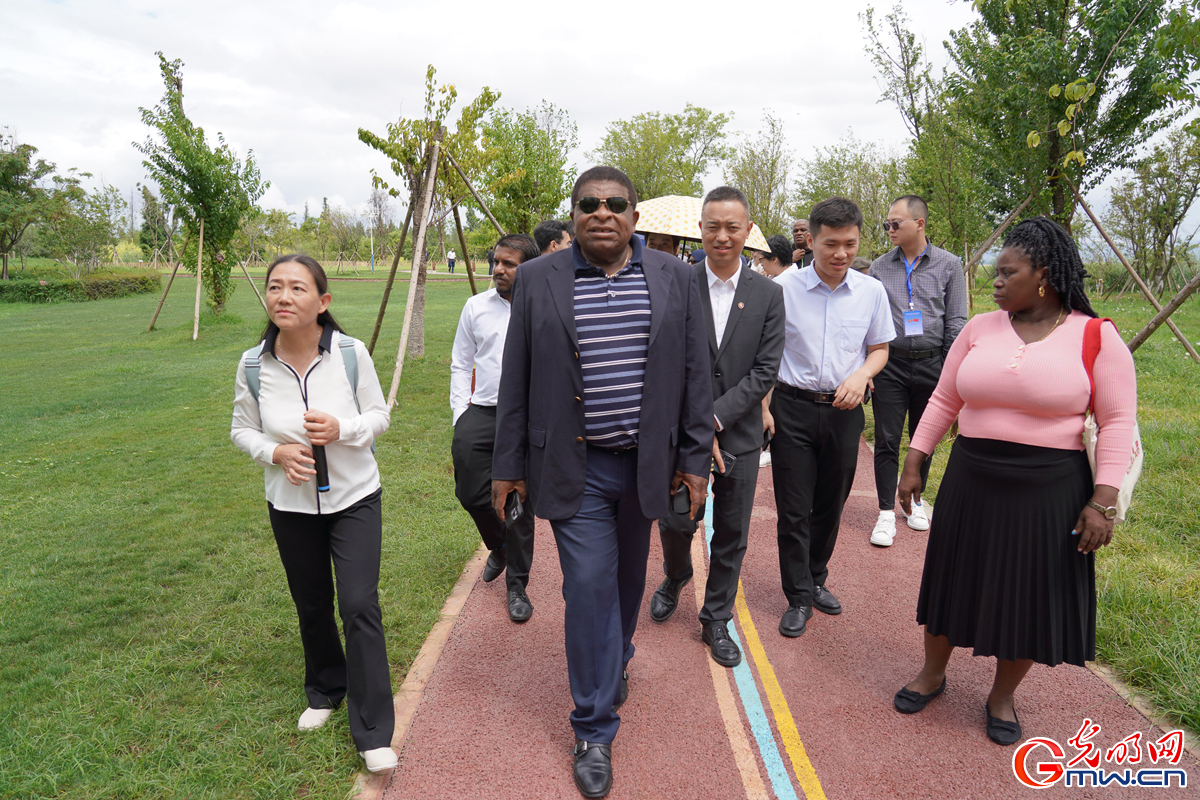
(549, 232)
(604, 173)
(834, 212)
(915, 204)
(781, 249)
(523, 243)
(1047, 244)
(723, 193)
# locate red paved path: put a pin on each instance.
(493, 719)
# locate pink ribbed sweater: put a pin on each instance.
(1001, 388)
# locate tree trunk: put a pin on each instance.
(4, 269)
(416, 336)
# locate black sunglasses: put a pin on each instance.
(589, 205)
(894, 226)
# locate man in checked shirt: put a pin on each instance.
(928, 296)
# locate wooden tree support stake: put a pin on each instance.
(462, 240)
(1167, 311)
(199, 282)
(418, 249)
(991, 240)
(255, 288)
(1133, 274)
(478, 199)
(387, 290)
(178, 264)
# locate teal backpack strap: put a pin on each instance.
(253, 364)
(350, 362)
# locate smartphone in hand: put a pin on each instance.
(513, 508)
(682, 500)
(729, 460)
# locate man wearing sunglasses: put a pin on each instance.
(928, 296)
(605, 409)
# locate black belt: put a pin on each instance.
(613, 450)
(913, 354)
(816, 397)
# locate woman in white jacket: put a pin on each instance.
(294, 403)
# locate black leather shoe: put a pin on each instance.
(496, 563)
(795, 620)
(666, 599)
(519, 607)
(624, 693)
(724, 650)
(908, 701)
(825, 602)
(1001, 731)
(593, 768)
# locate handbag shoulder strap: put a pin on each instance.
(1091, 349)
(252, 360)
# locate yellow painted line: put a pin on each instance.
(805, 774)
(743, 751)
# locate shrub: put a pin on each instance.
(64, 291)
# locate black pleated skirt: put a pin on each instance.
(1002, 573)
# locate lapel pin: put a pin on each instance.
(741, 305)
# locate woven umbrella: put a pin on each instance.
(676, 215)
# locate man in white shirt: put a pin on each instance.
(450, 258)
(479, 347)
(839, 323)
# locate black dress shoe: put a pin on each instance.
(593, 768)
(724, 650)
(624, 693)
(519, 607)
(496, 563)
(825, 602)
(1001, 731)
(908, 701)
(666, 599)
(795, 620)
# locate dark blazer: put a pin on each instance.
(745, 363)
(539, 418)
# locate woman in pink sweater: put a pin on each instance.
(1009, 568)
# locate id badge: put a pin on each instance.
(913, 324)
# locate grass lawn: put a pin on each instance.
(148, 645)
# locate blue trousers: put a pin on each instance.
(602, 551)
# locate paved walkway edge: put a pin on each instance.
(370, 787)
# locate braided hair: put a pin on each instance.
(1047, 244)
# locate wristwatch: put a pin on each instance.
(1109, 512)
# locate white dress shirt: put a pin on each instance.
(478, 345)
(828, 331)
(720, 295)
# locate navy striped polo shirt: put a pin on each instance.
(612, 320)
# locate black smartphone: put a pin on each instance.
(729, 460)
(513, 508)
(682, 500)
(766, 438)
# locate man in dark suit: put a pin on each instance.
(605, 408)
(744, 315)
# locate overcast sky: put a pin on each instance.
(294, 81)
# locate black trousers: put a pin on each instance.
(813, 457)
(352, 538)
(471, 451)
(733, 502)
(902, 388)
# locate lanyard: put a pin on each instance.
(908, 270)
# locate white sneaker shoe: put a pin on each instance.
(918, 520)
(314, 718)
(381, 759)
(764, 460)
(885, 529)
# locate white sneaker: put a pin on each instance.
(381, 759)
(314, 718)
(885, 529)
(918, 520)
(764, 460)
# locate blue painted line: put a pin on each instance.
(760, 726)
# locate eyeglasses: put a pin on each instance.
(589, 205)
(894, 226)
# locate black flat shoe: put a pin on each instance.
(825, 602)
(1001, 731)
(724, 650)
(795, 621)
(666, 599)
(593, 768)
(624, 693)
(496, 563)
(519, 607)
(907, 701)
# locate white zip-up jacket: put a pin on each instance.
(278, 418)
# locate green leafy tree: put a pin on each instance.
(202, 182)
(760, 168)
(1029, 128)
(156, 233)
(667, 154)
(87, 227)
(527, 176)
(862, 172)
(24, 194)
